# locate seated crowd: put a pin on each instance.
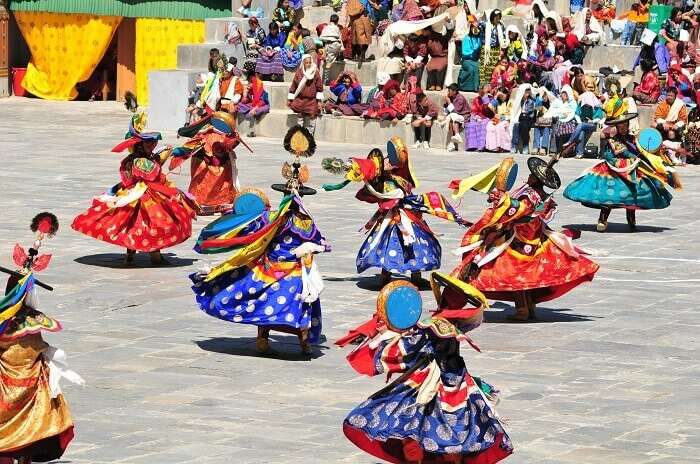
(529, 91)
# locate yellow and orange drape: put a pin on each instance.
(66, 49)
(156, 46)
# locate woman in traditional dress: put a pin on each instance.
(498, 130)
(628, 177)
(398, 238)
(269, 64)
(144, 211)
(648, 91)
(436, 411)
(469, 73)
(361, 28)
(284, 16)
(438, 39)
(305, 95)
(270, 280)
(35, 422)
(494, 40)
(347, 91)
(214, 175)
(588, 29)
(511, 253)
(291, 54)
(415, 54)
(255, 103)
(480, 115)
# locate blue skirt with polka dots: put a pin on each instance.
(393, 255)
(248, 295)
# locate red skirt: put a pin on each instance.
(546, 274)
(153, 222)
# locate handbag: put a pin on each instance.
(565, 128)
(590, 151)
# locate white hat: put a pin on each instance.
(382, 78)
(647, 37)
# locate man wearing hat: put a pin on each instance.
(627, 177)
(510, 253)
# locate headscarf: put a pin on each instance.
(516, 99)
(462, 21)
(502, 39)
(523, 42)
(308, 74)
(580, 24)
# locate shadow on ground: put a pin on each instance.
(142, 260)
(372, 283)
(544, 315)
(618, 228)
(283, 347)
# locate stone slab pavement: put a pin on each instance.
(610, 374)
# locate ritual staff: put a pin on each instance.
(35, 422)
(214, 175)
(398, 238)
(144, 211)
(511, 253)
(270, 280)
(436, 411)
(628, 177)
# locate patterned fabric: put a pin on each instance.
(510, 249)
(622, 180)
(489, 60)
(270, 64)
(475, 134)
(439, 412)
(268, 291)
(145, 213)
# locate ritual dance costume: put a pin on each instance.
(628, 177)
(399, 240)
(436, 411)
(271, 279)
(511, 253)
(214, 175)
(35, 422)
(144, 211)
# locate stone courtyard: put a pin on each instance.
(609, 374)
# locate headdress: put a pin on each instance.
(544, 171)
(300, 143)
(137, 124)
(397, 154)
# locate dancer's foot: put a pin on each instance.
(415, 278)
(304, 342)
(602, 226)
(384, 278)
(262, 344)
(631, 220)
(157, 259)
(129, 259)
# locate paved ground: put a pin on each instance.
(609, 375)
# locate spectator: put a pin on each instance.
(522, 119)
(235, 70)
(361, 28)
(671, 116)
(648, 90)
(269, 64)
(469, 72)
(498, 129)
(392, 104)
(652, 50)
(291, 54)
(464, 23)
(494, 40)
(479, 116)
(544, 106)
(213, 58)
(255, 35)
(193, 110)
(415, 52)
(438, 39)
(348, 96)
(306, 93)
(255, 102)
(284, 16)
(457, 111)
(517, 48)
(230, 91)
(589, 114)
(587, 28)
(332, 44)
(637, 18)
(565, 115)
(424, 112)
(504, 75)
(678, 79)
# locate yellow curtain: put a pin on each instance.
(66, 49)
(156, 46)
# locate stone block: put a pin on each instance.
(196, 56)
(168, 92)
(622, 56)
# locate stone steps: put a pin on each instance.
(215, 28)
